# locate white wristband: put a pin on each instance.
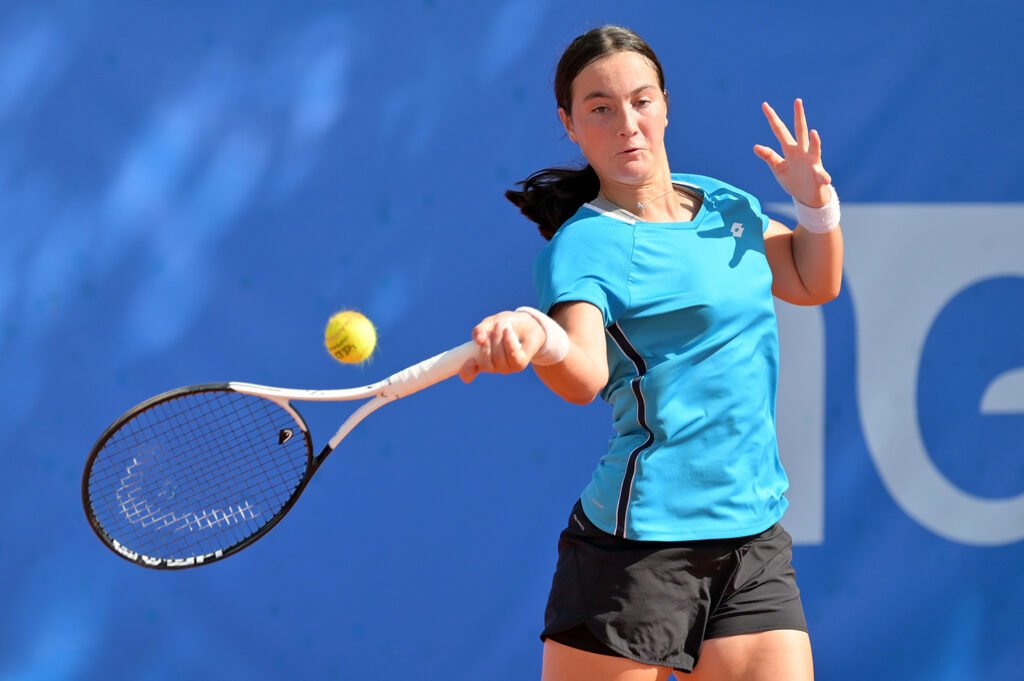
(819, 220)
(556, 341)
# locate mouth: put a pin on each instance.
(631, 150)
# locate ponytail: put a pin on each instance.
(551, 196)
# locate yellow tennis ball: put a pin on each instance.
(350, 337)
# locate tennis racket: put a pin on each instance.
(197, 474)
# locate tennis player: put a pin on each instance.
(656, 294)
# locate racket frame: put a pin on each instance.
(398, 385)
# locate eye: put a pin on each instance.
(643, 103)
(599, 109)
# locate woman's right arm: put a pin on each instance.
(509, 340)
(584, 371)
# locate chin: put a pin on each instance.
(633, 173)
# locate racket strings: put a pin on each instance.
(202, 469)
(146, 495)
(197, 473)
(223, 443)
(194, 507)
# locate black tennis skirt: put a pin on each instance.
(657, 602)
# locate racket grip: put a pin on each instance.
(428, 372)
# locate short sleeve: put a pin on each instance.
(755, 205)
(587, 260)
(729, 199)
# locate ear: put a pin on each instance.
(566, 123)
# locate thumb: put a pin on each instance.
(469, 371)
(768, 155)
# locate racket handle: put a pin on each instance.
(405, 382)
(428, 372)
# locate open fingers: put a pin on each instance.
(768, 155)
(778, 127)
(800, 123)
(815, 149)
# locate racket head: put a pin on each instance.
(194, 475)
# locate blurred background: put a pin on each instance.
(189, 190)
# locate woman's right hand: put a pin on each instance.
(507, 342)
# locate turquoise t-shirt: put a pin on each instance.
(693, 362)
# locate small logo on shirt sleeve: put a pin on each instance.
(737, 229)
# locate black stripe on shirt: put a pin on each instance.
(620, 340)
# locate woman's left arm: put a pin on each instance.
(807, 266)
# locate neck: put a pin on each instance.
(646, 195)
(653, 201)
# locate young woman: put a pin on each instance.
(656, 293)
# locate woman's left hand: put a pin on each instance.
(799, 169)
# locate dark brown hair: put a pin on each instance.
(551, 196)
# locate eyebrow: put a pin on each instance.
(599, 93)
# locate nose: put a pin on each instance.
(628, 124)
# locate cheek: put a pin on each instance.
(591, 134)
(655, 126)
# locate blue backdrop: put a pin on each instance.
(188, 190)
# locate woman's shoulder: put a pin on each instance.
(591, 221)
(704, 182)
(714, 188)
(588, 236)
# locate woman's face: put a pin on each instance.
(619, 116)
